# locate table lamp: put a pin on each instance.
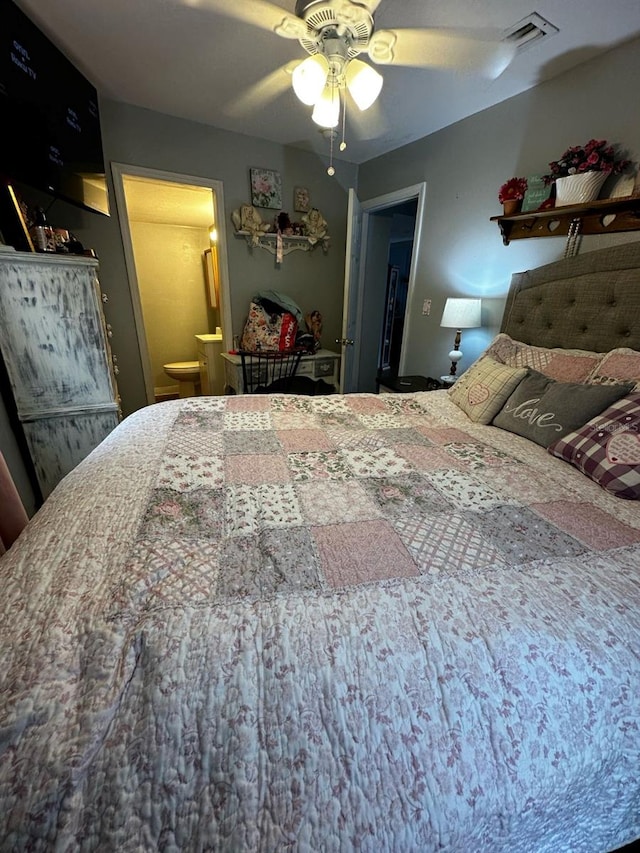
(459, 314)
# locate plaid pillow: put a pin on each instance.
(482, 390)
(607, 448)
(563, 365)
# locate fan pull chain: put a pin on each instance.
(343, 144)
(331, 171)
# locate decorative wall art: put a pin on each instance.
(623, 186)
(301, 199)
(266, 188)
(537, 193)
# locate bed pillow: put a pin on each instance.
(607, 448)
(619, 365)
(564, 365)
(544, 410)
(482, 389)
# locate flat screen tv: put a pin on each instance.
(50, 124)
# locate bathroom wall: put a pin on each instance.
(173, 293)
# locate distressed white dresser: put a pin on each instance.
(55, 348)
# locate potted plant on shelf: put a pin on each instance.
(582, 170)
(511, 194)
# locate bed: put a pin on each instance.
(358, 622)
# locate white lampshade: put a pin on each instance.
(309, 78)
(461, 314)
(364, 83)
(326, 112)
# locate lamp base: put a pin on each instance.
(449, 379)
(455, 355)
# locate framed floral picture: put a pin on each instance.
(301, 199)
(266, 188)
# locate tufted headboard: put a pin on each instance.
(589, 302)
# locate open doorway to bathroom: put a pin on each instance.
(174, 241)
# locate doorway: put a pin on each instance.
(383, 233)
(400, 253)
(175, 251)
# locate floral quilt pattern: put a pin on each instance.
(321, 624)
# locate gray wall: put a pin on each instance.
(144, 138)
(461, 252)
(314, 280)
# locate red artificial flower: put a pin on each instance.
(514, 188)
(596, 156)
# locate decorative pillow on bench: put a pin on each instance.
(543, 410)
(607, 448)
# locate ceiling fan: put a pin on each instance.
(335, 33)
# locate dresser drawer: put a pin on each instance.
(321, 365)
(305, 368)
(324, 367)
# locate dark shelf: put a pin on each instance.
(597, 217)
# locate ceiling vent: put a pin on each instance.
(528, 31)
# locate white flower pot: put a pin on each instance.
(577, 189)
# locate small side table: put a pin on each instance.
(407, 384)
(448, 380)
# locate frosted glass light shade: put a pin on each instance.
(309, 78)
(326, 112)
(461, 314)
(363, 82)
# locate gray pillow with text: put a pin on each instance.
(544, 410)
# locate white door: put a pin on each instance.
(358, 275)
(348, 364)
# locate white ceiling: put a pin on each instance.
(193, 59)
(166, 203)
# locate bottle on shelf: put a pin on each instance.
(42, 234)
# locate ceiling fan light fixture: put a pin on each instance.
(309, 78)
(363, 82)
(326, 112)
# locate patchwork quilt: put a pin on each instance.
(358, 622)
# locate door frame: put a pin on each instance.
(369, 207)
(121, 170)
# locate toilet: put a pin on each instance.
(186, 374)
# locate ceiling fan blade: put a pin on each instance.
(267, 89)
(476, 51)
(258, 13)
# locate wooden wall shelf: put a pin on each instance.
(596, 217)
(289, 244)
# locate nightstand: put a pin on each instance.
(447, 381)
(407, 384)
